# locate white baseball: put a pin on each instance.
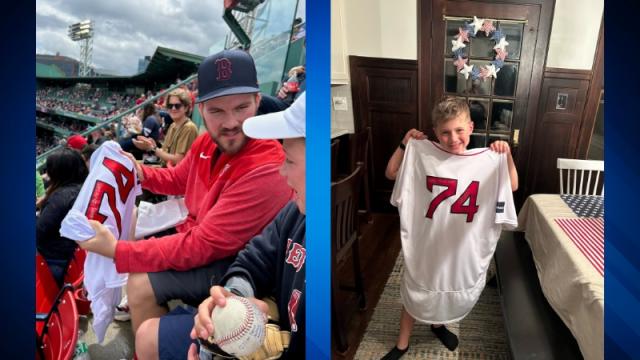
(239, 327)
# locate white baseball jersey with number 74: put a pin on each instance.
(452, 210)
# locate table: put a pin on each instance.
(571, 283)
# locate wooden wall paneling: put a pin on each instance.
(425, 13)
(556, 133)
(540, 53)
(385, 97)
(593, 98)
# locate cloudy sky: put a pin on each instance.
(125, 31)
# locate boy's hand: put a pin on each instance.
(500, 146)
(413, 133)
(193, 353)
(203, 327)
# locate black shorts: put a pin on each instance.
(191, 286)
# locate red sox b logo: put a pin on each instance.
(297, 255)
(292, 308)
(224, 69)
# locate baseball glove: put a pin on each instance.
(275, 340)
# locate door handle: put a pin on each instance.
(516, 137)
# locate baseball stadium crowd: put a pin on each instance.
(242, 178)
(95, 102)
(46, 141)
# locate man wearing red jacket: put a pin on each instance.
(232, 190)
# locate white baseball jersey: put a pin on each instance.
(452, 209)
(108, 196)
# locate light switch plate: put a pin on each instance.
(340, 103)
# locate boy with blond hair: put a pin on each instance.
(453, 203)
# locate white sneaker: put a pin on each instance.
(122, 311)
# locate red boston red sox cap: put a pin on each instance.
(76, 141)
(228, 72)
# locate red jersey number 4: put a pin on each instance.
(465, 204)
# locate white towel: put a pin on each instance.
(153, 218)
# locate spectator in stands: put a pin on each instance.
(150, 129)
(294, 86)
(299, 29)
(180, 135)
(141, 99)
(76, 142)
(288, 93)
(132, 124)
(185, 87)
(67, 171)
(87, 151)
(232, 190)
(150, 124)
(166, 121)
(97, 137)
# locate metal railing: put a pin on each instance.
(41, 159)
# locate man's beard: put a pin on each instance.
(230, 147)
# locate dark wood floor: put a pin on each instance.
(379, 249)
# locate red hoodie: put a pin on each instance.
(228, 205)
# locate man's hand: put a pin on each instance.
(135, 162)
(500, 146)
(104, 243)
(203, 327)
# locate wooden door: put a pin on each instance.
(385, 98)
(504, 107)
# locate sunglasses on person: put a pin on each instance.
(176, 106)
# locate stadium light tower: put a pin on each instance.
(83, 31)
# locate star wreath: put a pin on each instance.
(461, 59)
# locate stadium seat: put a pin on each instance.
(46, 292)
(56, 315)
(59, 336)
(75, 276)
(50, 345)
(69, 324)
(75, 270)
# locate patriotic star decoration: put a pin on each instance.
(497, 35)
(475, 73)
(488, 71)
(477, 25)
(467, 69)
(459, 63)
(502, 44)
(497, 63)
(463, 35)
(457, 44)
(501, 54)
(458, 53)
(469, 28)
(487, 27)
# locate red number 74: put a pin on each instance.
(458, 207)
